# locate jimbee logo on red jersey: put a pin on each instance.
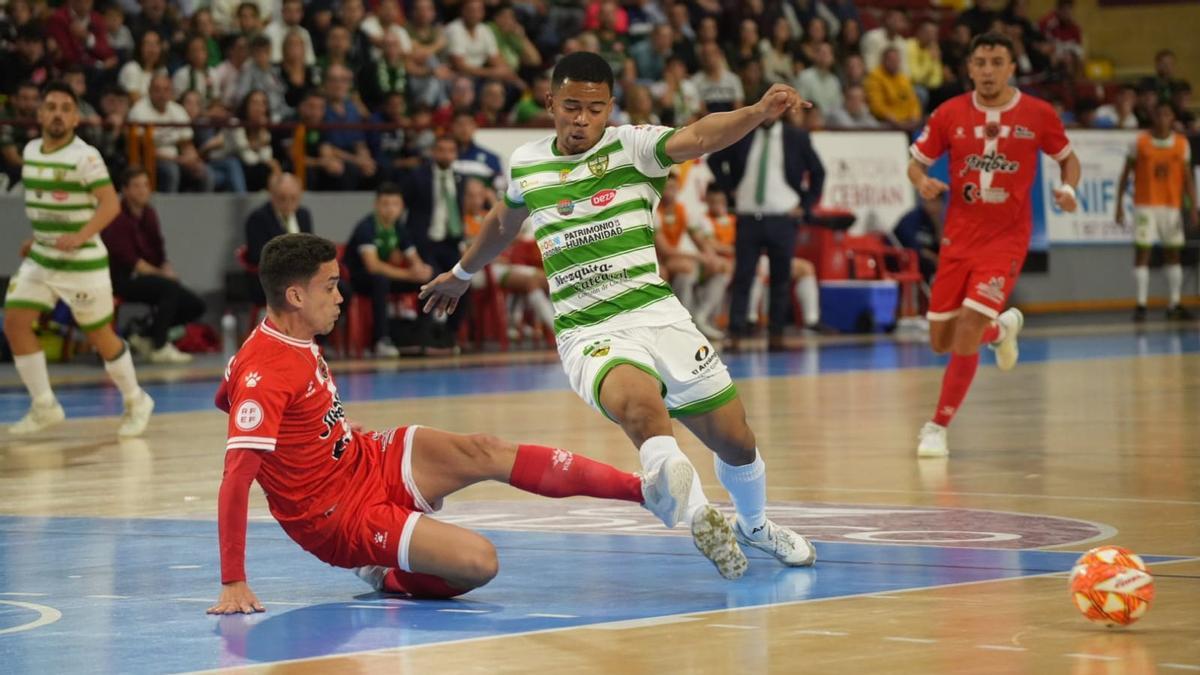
(993, 162)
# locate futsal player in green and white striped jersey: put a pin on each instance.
(629, 348)
(69, 199)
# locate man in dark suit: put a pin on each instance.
(776, 178)
(433, 192)
(281, 215)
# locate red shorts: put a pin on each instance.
(979, 283)
(379, 529)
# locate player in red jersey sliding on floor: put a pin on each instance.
(359, 499)
(993, 135)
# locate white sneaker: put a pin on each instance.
(373, 575)
(715, 539)
(384, 349)
(932, 441)
(1006, 348)
(665, 492)
(137, 415)
(710, 331)
(169, 353)
(786, 546)
(39, 418)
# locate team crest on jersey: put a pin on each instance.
(991, 130)
(562, 175)
(322, 370)
(566, 207)
(598, 164)
(60, 174)
(598, 348)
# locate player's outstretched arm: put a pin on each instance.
(929, 188)
(1064, 195)
(718, 131)
(500, 227)
(241, 466)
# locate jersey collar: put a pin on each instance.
(1012, 103)
(270, 330)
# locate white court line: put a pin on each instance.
(208, 600)
(464, 611)
(183, 567)
(1131, 500)
(643, 623)
(921, 641)
(24, 595)
(290, 604)
(736, 626)
(1179, 666)
(884, 597)
(1092, 657)
(74, 576)
(108, 597)
(46, 616)
(827, 633)
(367, 607)
(670, 618)
(1001, 648)
(542, 615)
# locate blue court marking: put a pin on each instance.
(103, 400)
(159, 624)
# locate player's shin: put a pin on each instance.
(552, 472)
(955, 384)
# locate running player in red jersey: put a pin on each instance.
(993, 135)
(359, 499)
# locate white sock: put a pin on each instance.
(1142, 276)
(654, 451)
(712, 293)
(684, 286)
(540, 303)
(810, 299)
(1174, 283)
(120, 370)
(32, 369)
(747, 486)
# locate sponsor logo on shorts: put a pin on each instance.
(566, 207)
(603, 197)
(706, 357)
(598, 348)
(249, 415)
(380, 539)
(992, 289)
(702, 353)
(82, 298)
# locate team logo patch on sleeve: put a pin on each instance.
(249, 416)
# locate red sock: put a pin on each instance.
(955, 383)
(990, 334)
(419, 585)
(551, 472)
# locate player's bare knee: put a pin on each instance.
(479, 564)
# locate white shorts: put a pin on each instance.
(693, 378)
(1157, 224)
(88, 294)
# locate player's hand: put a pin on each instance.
(1065, 199)
(69, 241)
(443, 292)
(237, 598)
(779, 99)
(931, 188)
(26, 247)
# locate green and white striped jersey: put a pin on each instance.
(58, 199)
(593, 217)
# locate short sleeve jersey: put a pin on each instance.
(58, 200)
(993, 164)
(593, 218)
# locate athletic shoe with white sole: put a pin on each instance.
(932, 441)
(137, 415)
(39, 418)
(665, 491)
(786, 546)
(714, 538)
(1006, 347)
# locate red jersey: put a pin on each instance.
(283, 404)
(993, 163)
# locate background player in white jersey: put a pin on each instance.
(629, 347)
(69, 199)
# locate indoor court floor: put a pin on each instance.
(108, 550)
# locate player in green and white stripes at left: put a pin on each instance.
(629, 348)
(69, 199)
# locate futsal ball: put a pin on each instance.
(1110, 585)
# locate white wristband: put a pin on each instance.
(1067, 190)
(460, 273)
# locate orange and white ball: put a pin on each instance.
(1110, 585)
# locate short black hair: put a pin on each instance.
(132, 171)
(386, 188)
(260, 41)
(993, 39)
(290, 259)
(582, 67)
(1163, 52)
(247, 5)
(60, 87)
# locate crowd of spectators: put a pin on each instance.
(228, 73)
